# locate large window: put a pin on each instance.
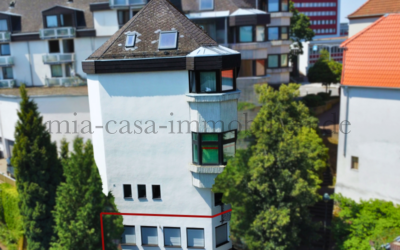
(278, 33)
(61, 20)
(56, 71)
(129, 236)
(5, 49)
(3, 25)
(195, 238)
(212, 81)
(149, 236)
(213, 148)
(278, 5)
(246, 34)
(221, 235)
(206, 4)
(172, 237)
(278, 61)
(251, 68)
(8, 73)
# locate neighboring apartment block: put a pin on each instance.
(369, 141)
(167, 78)
(324, 16)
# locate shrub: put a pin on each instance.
(245, 106)
(313, 100)
(325, 96)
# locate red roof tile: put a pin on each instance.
(376, 8)
(371, 58)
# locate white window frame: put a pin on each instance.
(164, 47)
(134, 41)
(212, 8)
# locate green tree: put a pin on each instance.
(80, 201)
(271, 184)
(38, 173)
(300, 32)
(355, 225)
(325, 70)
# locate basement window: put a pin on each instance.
(130, 41)
(168, 40)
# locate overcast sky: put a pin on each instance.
(348, 7)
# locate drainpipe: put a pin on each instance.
(30, 63)
(347, 91)
(257, 4)
(226, 30)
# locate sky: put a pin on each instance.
(348, 7)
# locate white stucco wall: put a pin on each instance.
(357, 25)
(105, 22)
(374, 137)
(21, 68)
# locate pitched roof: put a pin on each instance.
(376, 8)
(219, 5)
(156, 16)
(372, 56)
(31, 11)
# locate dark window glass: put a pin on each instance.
(5, 49)
(8, 73)
(142, 191)
(221, 235)
(212, 81)
(208, 82)
(195, 238)
(246, 34)
(66, 20)
(218, 199)
(52, 21)
(156, 191)
(3, 25)
(210, 154)
(195, 148)
(69, 69)
(54, 46)
(68, 46)
(127, 191)
(129, 236)
(56, 71)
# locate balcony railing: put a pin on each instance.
(65, 82)
(58, 58)
(127, 3)
(59, 32)
(5, 36)
(8, 83)
(6, 61)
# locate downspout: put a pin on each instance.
(226, 31)
(30, 63)
(257, 4)
(347, 91)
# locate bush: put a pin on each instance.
(313, 100)
(245, 106)
(355, 225)
(325, 96)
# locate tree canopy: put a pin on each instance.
(38, 173)
(271, 184)
(325, 70)
(300, 30)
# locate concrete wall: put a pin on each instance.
(357, 25)
(374, 137)
(105, 22)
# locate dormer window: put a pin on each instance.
(52, 21)
(216, 81)
(130, 41)
(168, 40)
(206, 4)
(59, 16)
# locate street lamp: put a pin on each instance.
(326, 198)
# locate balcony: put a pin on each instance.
(59, 32)
(58, 58)
(204, 176)
(64, 82)
(8, 83)
(127, 3)
(6, 61)
(5, 36)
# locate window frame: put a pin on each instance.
(180, 237)
(51, 70)
(196, 75)
(5, 74)
(253, 33)
(187, 237)
(279, 7)
(279, 33)
(220, 143)
(1, 49)
(152, 191)
(141, 236)
(176, 40)
(212, 8)
(227, 236)
(353, 161)
(130, 187)
(145, 191)
(6, 20)
(279, 61)
(127, 39)
(130, 244)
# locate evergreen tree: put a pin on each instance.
(271, 184)
(38, 173)
(80, 201)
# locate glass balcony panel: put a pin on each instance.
(6, 61)
(7, 83)
(123, 3)
(58, 58)
(65, 81)
(60, 32)
(5, 36)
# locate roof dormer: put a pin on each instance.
(9, 23)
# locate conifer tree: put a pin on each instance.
(80, 201)
(271, 184)
(38, 174)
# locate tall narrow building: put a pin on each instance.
(163, 100)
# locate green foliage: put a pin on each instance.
(300, 31)
(272, 183)
(312, 100)
(356, 224)
(38, 174)
(80, 201)
(245, 106)
(325, 70)
(325, 96)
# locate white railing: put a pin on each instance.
(5, 36)
(8, 83)
(6, 61)
(126, 3)
(65, 82)
(58, 58)
(59, 32)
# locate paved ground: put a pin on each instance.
(330, 119)
(315, 88)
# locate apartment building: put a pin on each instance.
(162, 69)
(369, 142)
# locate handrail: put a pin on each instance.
(58, 58)
(57, 32)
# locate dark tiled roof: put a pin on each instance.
(31, 11)
(157, 15)
(219, 5)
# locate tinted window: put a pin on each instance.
(246, 34)
(156, 191)
(127, 191)
(142, 191)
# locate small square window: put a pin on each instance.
(354, 162)
(127, 191)
(129, 236)
(206, 4)
(130, 41)
(156, 191)
(141, 191)
(168, 40)
(52, 21)
(218, 199)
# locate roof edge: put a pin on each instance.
(358, 9)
